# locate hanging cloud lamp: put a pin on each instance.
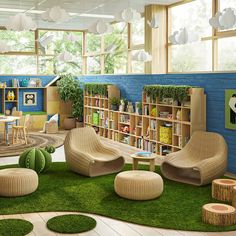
(128, 15)
(20, 22)
(100, 27)
(183, 36)
(142, 56)
(55, 14)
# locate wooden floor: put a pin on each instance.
(105, 226)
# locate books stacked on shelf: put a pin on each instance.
(153, 124)
(88, 119)
(101, 114)
(124, 118)
(139, 143)
(146, 110)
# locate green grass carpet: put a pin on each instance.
(15, 227)
(179, 207)
(71, 224)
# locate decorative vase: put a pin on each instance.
(69, 123)
(114, 107)
(24, 83)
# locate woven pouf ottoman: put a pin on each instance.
(17, 182)
(138, 185)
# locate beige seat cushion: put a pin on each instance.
(138, 185)
(17, 182)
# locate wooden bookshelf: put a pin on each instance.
(143, 131)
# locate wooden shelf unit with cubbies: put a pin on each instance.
(143, 131)
(167, 127)
(9, 104)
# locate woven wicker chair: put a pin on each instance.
(203, 159)
(86, 155)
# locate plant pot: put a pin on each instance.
(69, 123)
(79, 124)
(114, 107)
(140, 111)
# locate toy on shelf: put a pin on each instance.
(10, 96)
(122, 105)
(125, 129)
(3, 85)
(166, 134)
(130, 107)
(15, 83)
(24, 83)
(154, 112)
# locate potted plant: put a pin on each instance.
(70, 90)
(139, 108)
(114, 101)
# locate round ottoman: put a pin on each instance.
(138, 185)
(17, 182)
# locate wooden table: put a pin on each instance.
(8, 120)
(150, 159)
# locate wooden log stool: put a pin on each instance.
(234, 197)
(219, 214)
(222, 189)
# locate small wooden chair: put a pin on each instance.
(21, 130)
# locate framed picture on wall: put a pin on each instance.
(230, 108)
(30, 98)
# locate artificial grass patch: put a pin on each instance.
(15, 227)
(71, 224)
(179, 207)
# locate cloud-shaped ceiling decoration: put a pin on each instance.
(65, 57)
(20, 22)
(142, 56)
(55, 14)
(100, 27)
(4, 47)
(224, 20)
(182, 36)
(72, 37)
(128, 15)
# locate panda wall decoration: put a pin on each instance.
(230, 108)
(30, 98)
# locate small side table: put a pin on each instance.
(150, 159)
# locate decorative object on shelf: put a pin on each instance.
(4, 47)
(72, 38)
(37, 159)
(230, 108)
(122, 105)
(15, 83)
(55, 14)
(38, 83)
(32, 82)
(154, 112)
(178, 114)
(138, 108)
(183, 36)
(70, 90)
(114, 101)
(128, 15)
(125, 129)
(177, 92)
(142, 56)
(20, 22)
(10, 96)
(224, 20)
(3, 85)
(154, 22)
(30, 98)
(166, 134)
(100, 27)
(65, 57)
(24, 83)
(130, 107)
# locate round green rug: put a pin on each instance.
(179, 207)
(15, 227)
(71, 224)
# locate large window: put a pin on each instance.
(213, 51)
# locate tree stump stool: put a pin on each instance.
(234, 197)
(222, 189)
(218, 214)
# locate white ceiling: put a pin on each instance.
(78, 22)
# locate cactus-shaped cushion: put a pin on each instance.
(36, 159)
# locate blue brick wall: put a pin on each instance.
(213, 83)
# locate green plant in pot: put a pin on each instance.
(70, 90)
(139, 108)
(114, 101)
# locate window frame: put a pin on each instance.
(215, 35)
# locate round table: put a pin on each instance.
(150, 159)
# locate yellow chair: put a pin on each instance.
(21, 130)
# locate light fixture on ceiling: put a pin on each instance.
(224, 20)
(128, 15)
(55, 14)
(4, 47)
(20, 22)
(183, 36)
(142, 56)
(100, 27)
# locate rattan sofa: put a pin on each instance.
(87, 155)
(203, 159)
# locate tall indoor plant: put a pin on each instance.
(70, 90)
